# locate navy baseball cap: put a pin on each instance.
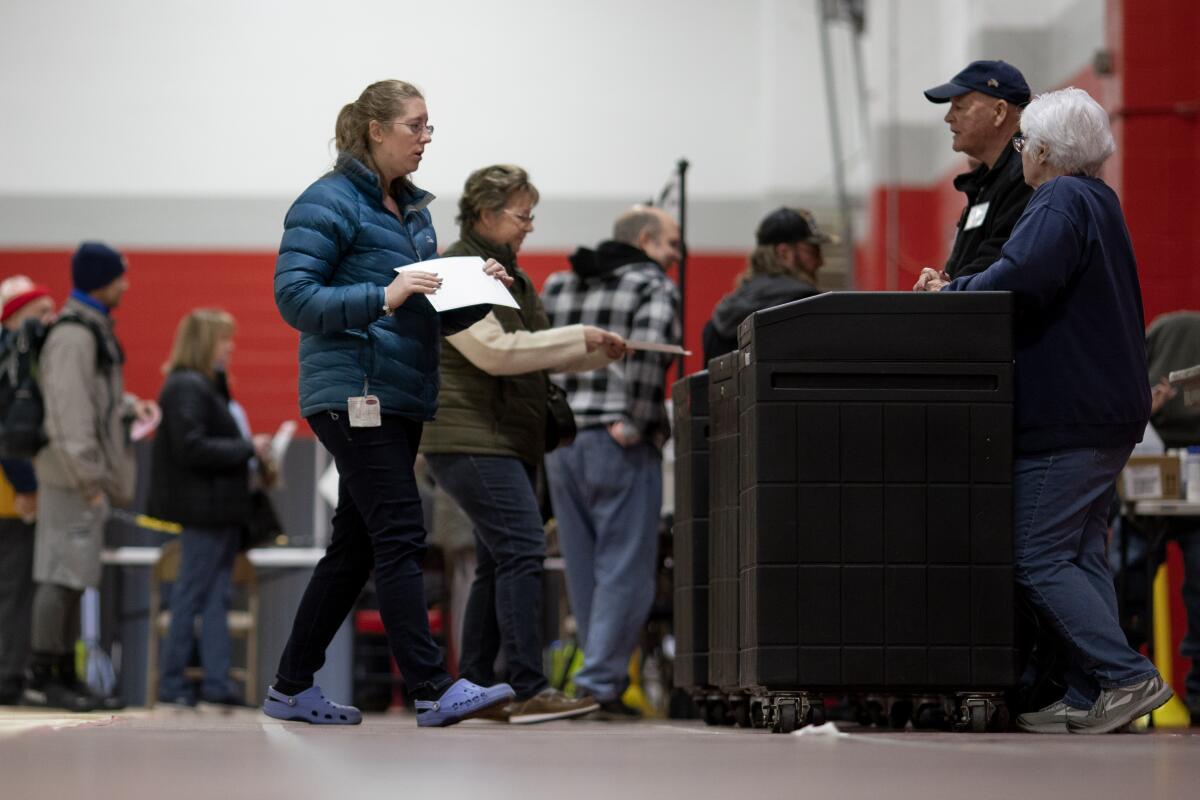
(995, 78)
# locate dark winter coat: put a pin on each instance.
(200, 459)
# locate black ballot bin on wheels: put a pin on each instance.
(724, 702)
(689, 398)
(874, 507)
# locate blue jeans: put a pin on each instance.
(607, 501)
(378, 524)
(202, 588)
(1061, 517)
(504, 609)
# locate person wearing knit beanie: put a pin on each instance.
(95, 268)
(35, 301)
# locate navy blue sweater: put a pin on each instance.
(1081, 354)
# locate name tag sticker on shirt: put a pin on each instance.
(364, 411)
(976, 216)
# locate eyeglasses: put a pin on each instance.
(415, 127)
(524, 219)
(1019, 143)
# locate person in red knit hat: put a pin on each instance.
(21, 300)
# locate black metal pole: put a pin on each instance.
(682, 167)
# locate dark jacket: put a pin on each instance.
(1081, 354)
(1173, 343)
(339, 252)
(761, 291)
(1004, 189)
(200, 458)
(492, 414)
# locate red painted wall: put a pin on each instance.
(1157, 122)
(166, 285)
(1159, 117)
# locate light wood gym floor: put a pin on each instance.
(179, 755)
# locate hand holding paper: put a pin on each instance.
(418, 279)
(463, 282)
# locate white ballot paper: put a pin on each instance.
(282, 440)
(1189, 381)
(673, 349)
(464, 283)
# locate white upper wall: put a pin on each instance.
(201, 119)
(232, 97)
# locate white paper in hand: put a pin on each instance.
(464, 283)
(282, 440)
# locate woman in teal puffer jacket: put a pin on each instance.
(369, 336)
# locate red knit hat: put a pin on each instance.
(19, 301)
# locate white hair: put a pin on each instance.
(1073, 129)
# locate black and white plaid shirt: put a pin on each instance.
(639, 302)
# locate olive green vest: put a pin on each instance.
(484, 414)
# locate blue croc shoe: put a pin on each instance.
(311, 705)
(462, 700)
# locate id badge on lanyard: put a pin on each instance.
(976, 216)
(364, 411)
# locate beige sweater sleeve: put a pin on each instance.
(498, 352)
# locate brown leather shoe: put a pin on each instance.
(550, 704)
(498, 713)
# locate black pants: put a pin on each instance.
(378, 524)
(16, 597)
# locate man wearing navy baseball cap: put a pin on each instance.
(985, 101)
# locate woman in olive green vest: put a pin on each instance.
(488, 440)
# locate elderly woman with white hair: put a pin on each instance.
(1082, 403)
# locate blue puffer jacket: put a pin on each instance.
(339, 252)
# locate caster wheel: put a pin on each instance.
(741, 713)
(999, 721)
(786, 720)
(816, 714)
(978, 718)
(899, 714)
(757, 718)
(712, 713)
(871, 713)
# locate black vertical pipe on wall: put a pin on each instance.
(681, 168)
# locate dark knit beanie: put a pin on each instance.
(95, 265)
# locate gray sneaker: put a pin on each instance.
(1116, 708)
(1051, 719)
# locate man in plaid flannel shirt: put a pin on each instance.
(606, 487)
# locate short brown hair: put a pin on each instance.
(196, 340)
(381, 101)
(490, 189)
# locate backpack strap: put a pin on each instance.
(104, 357)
